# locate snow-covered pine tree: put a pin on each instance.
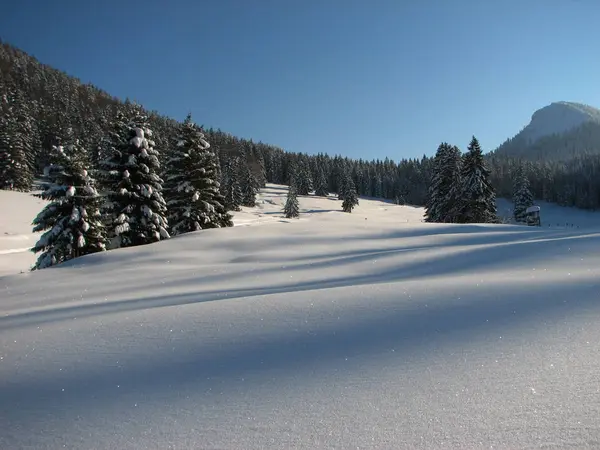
(230, 185)
(349, 196)
(478, 198)
(135, 206)
(15, 143)
(192, 190)
(72, 219)
(249, 187)
(378, 186)
(292, 207)
(522, 196)
(443, 203)
(303, 177)
(342, 179)
(321, 186)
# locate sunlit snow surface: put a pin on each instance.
(363, 330)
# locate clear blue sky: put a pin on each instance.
(362, 78)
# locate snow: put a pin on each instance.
(334, 330)
(16, 237)
(532, 209)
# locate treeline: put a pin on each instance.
(49, 102)
(50, 119)
(118, 175)
(563, 169)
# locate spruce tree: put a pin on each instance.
(250, 187)
(349, 197)
(292, 207)
(443, 203)
(522, 196)
(230, 186)
(72, 219)
(136, 208)
(478, 198)
(321, 187)
(192, 190)
(16, 136)
(303, 178)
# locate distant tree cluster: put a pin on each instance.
(560, 168)
(460, 189)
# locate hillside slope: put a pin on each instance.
(16, 238)
(558, 131)
(362, 330)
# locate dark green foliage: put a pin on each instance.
(321, 186)
(230, 186)
(443, 204)
(303, 177)
(522, 197)
(477, 198)
(292, 207)
(194, 200)
(16, 142)
(136, 208)
(71, 220)
(349, 195)
(249, 188)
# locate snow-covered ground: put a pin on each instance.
(363, 330)
(18, 211)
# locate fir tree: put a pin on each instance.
(303, 178)
(522, 196)
(291, 208)
(136, 208)
(250, 187)
(230, 186)
(478, 199)
(72, 219)
(321, 186)
(350, 197)
(15, 143)
(193, 198)
(443, 204)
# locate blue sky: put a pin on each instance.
(361, 78)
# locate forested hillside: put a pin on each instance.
(47, 102)
(43, 109)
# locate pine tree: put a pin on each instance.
(72, 219)
(478, 198)
(16, 137)
(292, 207)
(522, 196)
(349, 196)
(230, 185)
(303, 178)
(443, 203)
(250, 187)
(136, 208)
(193, 198)
(321, 187)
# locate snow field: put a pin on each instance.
(330, 331)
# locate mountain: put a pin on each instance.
(559, 131)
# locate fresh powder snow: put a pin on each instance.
(369, 330)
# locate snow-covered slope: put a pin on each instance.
(16, 238)
(362, 330)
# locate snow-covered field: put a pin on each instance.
(363, 330)
(18, 211)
